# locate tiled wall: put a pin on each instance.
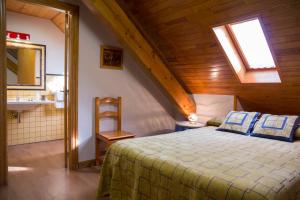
(43, 123)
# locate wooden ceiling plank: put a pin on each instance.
(14, 5)
(59, 21)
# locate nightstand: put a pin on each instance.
(184, 125)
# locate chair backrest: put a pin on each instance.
(108, 114)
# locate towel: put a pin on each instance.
(59, 96)
(59, 99)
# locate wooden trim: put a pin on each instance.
(237, 46)
(133, 38)
(86, 163)
(108, 100)
(97, 111)
(3, 136)
(97, 128)
(66, 134)
(119, 125)
(73, 87)
(109, 114)
(235, 102)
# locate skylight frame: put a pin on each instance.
(239, 50)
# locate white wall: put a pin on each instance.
(44, 32)
(211, 105)
(146, 109)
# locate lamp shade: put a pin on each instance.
(193, 117)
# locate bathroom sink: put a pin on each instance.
(23, 105)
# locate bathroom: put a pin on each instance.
(35, 76)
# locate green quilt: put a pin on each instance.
(201, 164)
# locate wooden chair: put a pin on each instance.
(108, 137)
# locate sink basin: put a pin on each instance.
(23, 105)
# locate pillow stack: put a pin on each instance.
(279, 127)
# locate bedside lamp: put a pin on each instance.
(193, 117)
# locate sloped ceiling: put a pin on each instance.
(56, 16)
(181, 32)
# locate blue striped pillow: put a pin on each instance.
(239, 122)
(279, 127)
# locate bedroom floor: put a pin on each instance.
(36, 172)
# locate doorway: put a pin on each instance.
(70, 28)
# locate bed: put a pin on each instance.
(201, 164)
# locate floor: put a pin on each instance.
(36, 172)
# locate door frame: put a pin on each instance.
(71, 102)
(3, 141)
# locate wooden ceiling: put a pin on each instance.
(181, 32)
(54, 15)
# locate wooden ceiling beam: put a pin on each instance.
(112, 13)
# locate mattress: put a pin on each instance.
(201, 164)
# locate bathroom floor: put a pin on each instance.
(36, 172)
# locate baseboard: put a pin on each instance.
(86, 163)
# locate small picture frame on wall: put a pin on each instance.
(111, 57)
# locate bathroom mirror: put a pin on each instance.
(26, 66)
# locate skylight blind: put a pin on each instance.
(228, 47)
(253, 44)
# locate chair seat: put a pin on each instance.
(114, 135)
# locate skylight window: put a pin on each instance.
(247, 39)
(248, 52)
(253, 43)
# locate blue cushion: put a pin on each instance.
(279, 127)
(239, 122)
